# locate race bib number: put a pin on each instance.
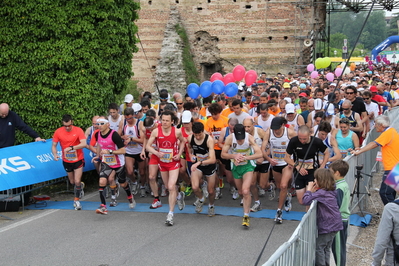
(202, 157)
(344, 153)
(307, 164)
(216, 135)
(168, 155)
(379, 157)
(109, 159)
(71, 155)
(132, 144)
(278, 154)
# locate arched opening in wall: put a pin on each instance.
(208, 69)
(270, 37)
(285, 37)
(150, 2)
(242, 38)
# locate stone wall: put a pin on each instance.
(261, 35)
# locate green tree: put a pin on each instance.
(337, 40)
(64, 56)
(376, 28)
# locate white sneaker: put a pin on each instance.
(287, 203)
(134, 188)
(205, 189)
(198, 206)
(163, 191)
(169, 219)
(256, 207)
(132, 204)
(235, 195)
(218, 193)
(77, 205)
(261, 192)
(180, 202)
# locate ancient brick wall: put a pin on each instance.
(261, 35)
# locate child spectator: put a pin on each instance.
(340, 169)
(328, 216)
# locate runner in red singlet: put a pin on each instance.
(169, 152)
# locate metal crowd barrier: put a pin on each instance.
(300, 248)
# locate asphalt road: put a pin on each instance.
(69, 237)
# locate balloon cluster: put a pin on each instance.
(219, 84)
(324, 63)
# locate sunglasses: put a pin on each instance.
(345, 109)
(350, 92)
(273, 91)
(366, 99)
(179, 103)
(344, 122)
(100, 124)
(255, 103)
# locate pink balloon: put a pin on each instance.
(314, 75)
(367, 58)
(378, 58)
(370, 63)
(338, 71)
(371, 68)
(228, 78)
(238, 73)
(250, 77)
(216, 76)
(310, 67)
(388, 62)
(330, 77)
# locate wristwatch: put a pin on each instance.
(110, 151)
(71, 147)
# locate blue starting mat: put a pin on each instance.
(360, 221)
(189, 209)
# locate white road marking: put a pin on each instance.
(11, 226)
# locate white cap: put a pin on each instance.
(136, 107)
(128, 98)
(330, 109)
(289, 108)
(360, 89)
(318, 104)
(333, 84)
(186, 117)
(354, 84)
(288, 99)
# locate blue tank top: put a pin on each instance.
(344, 143)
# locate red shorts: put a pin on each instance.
(166, 167)
(154, 159)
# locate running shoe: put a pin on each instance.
(180, 201)
(235, 195)
(142, 193)
(188, 191)
(205, 189)
(82, 192)
(196, 201)
(134, 187)
(169, 219)
(113, 202)
(211, 211)
(287, 203)
(77, 205)
(156, 204)
(232, 190)
(256, 207)
(132, 204)
(261, 192)
(198, 206)
(163, 191)
(279, 217)
(218, 193)
(221, 183)
(245, 221)
(272, 191)
(102, 209)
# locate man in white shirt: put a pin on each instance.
(238, 112)
(373, 109)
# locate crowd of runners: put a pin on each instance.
(268, 139)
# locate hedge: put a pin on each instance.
(64, 56)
